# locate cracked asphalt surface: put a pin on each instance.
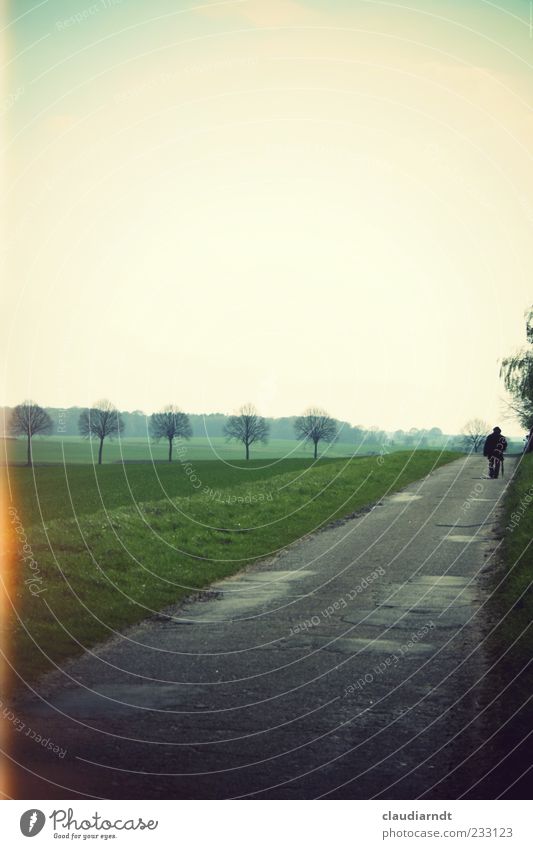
(352, 665)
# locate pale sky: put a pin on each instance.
(289, 202)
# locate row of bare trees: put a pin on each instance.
(103, 421)
(247, 426)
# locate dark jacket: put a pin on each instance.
(495, 445)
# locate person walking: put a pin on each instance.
(495, 445)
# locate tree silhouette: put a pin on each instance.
(28, 419)
(314, 425)
(101, 421)
(517, 374)
(474, 433)
(170, 423)
(247, 426)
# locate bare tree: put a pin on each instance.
(170, 423)
(474, 433)
(101, 421)
(28, 419)
(247, 426)
(314, 425)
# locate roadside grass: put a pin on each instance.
(510, 615)
(512, 604)
(102, 570)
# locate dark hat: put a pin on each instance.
(497, 430)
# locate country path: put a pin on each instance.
(347, 667)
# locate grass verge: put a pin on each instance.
(512, 603)
(507, 693)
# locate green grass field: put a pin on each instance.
(107, 546)
(130, 449)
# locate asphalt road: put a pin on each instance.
(353, 665)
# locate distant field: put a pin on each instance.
(74, 450)
(107, 546)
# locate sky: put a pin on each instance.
(288, 202)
